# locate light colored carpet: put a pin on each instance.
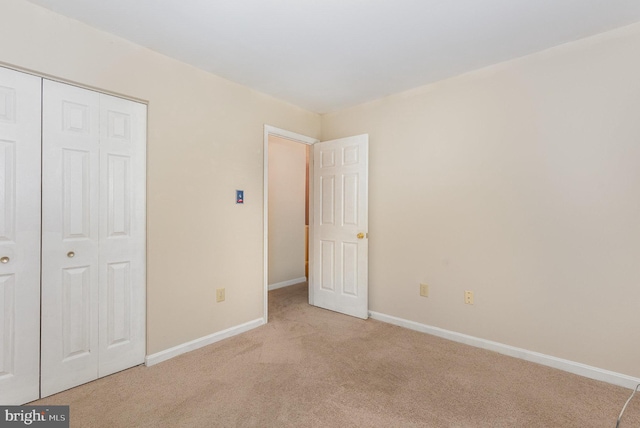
(314, 368)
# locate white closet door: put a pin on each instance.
(93, 244)
(122, 234)
(70, 236)
(19, 237)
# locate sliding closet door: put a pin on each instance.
(93, 243)
(19, 237)
(70, 236)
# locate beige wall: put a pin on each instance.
(520, 182)
(205, 139)
(287, 183)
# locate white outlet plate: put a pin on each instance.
(468, 297)
(424, 290)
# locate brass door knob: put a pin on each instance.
(71, 254)
(4, 259)
(360, 235)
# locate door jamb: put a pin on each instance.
(298, 138)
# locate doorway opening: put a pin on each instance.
(287, 209)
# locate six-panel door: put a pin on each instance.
(340, 221)
(93, 241)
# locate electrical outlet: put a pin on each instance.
(468, 297)
(424, 290)
(220, 295)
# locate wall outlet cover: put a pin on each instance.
(424, 290)
(220, 295)
(468, 297)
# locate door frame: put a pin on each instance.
(298, 138)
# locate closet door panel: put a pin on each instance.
(70, 237)
(20, 114)
(122, 234)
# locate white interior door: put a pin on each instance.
(19, 237)
(93, 242)
(70, 236)
(339, 279)
(122, 234)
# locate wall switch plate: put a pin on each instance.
(468, 297)
(424, 290)
(220, 295)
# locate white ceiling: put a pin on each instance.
(325, 55)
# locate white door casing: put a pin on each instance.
(20, 112)
(93, 237)
(340, 225)
(302, 139)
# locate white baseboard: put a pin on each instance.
(167, 354)
(535, 357)
(287, 283)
